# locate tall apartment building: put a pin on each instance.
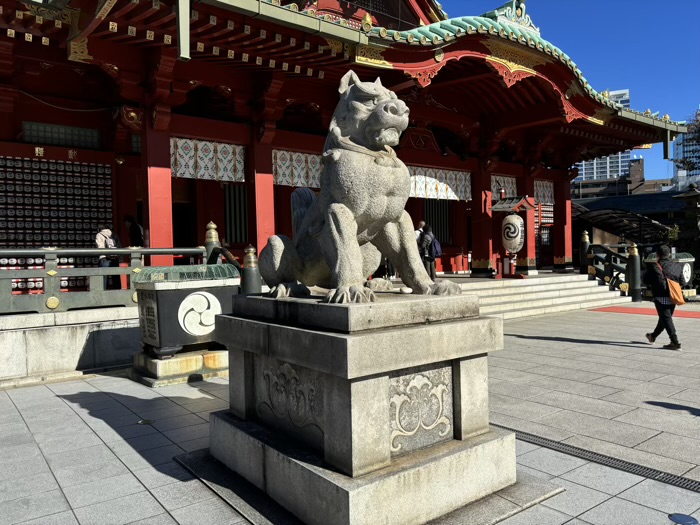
(613, 166)
(683, 148)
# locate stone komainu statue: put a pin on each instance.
(341, 234)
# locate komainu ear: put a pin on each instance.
(347, 81)
(378, 81)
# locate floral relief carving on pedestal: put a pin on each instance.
(419, 405)
(288, 397)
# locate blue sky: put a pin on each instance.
(649, 47)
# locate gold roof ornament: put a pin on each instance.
(367, 23)
(667, 118)
(647, 113)
(606, 93)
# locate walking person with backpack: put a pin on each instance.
(657, 276)
(106, 239)
(429, 249)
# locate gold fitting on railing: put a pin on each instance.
(590, 255)
(633, 249)
(625, 287)
(584, 237)
(592, 270)
(607, 279)
(250, 260)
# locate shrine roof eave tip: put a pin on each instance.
(290, 16)
(665, 124)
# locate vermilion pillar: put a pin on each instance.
(482, 225)
(160, 198)
(527, 257)
(261, 195)
(563, 255)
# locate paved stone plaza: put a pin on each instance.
(74, 452)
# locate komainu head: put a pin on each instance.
(368, 115)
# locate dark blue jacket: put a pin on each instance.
(654, 278)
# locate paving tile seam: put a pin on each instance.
(609, 496)
(146, 489)
(53, 475)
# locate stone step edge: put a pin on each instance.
(561, 308)
(560, 292)
(551, 301)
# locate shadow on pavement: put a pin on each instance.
(672, 406)
(632, 344)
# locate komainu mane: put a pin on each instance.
(341, 234)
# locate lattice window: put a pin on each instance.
(65, 136)
(236, 208)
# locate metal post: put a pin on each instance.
(251, 282)
(211, 242)
(183, 12)
(633, 274)
(583, 252)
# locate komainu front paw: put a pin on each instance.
(446, 288)
(379, 285)
(289, 290)
(350, 294)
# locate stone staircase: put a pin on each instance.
(513, 298)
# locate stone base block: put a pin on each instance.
(415, 489)
(181, 368)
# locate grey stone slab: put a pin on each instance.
(617, 511)
(179, 435)
(510, 364)
(623, 371)
(550, 461)
(33, 506)
(663, 421)
(523, 447)
(678, 380)
(653, 402)
(15, 434)
(577, 521)
(529, 490)
(486, 511)
(519, 408)
(207, 405)
(160, 519)
(72, 388)
(568, 373)
(110, 434)
(195, 444)
(693, 473)
(14, 468)
(647, 387)
(530, 427)
(69, 350)
(165, 474)
(673, 446)
(140, 443)
(633, 455)
(177, 495)
(519, 390)
(149, 458)
(161, 413)
(210, 512)
(389, 310)
(602, 478)
(538, 515)
(61, 460)
(79, 440)
(586, 405)
(364, 353)
(576, 499)
(522, 469)
(663, 497)
(26, 486)
(514, 376)
(13, 354)
(599, 428)
(126, 509)
(61, 518)
(576, 387)
(177, 422)
(689, 394)
(101, 490)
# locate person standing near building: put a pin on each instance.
(419, 231)
(106, 239)
(425, 242)
(655, 276)
(135, 231)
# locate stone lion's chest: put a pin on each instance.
(372, 190)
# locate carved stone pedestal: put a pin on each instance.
(362, 414)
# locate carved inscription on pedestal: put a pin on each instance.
(420, 408)
(290, 398)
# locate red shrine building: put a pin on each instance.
(182, 113)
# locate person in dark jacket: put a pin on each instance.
(135, 231)
(424, 241)
(655, 278)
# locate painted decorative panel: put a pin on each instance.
(296, 169)
(544, 192)
(206, 160)
(420, 408)
(439, 184)
(501, 181)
